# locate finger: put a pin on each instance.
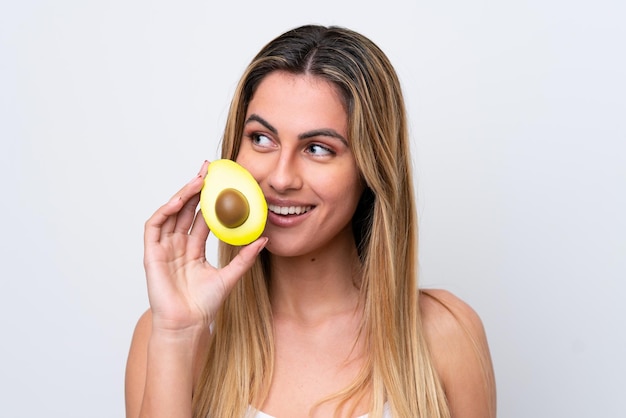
(242, 262)
(189, 194)
(197, 236)
(164, 219)
(199, 229)
(185, 217)
(154, 225)
(178, 202)
(203, 169)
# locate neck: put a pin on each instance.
(313, 288)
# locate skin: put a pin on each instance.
(300, 156)
(296, 148)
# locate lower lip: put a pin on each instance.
(286, 220)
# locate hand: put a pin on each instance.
(185, 291)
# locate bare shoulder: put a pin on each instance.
(444, 313)
(459, 348)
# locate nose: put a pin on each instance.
(286, 174)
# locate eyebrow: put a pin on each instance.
(309, 134)
(256, 118)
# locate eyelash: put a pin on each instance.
(326, 149)
(255, 138)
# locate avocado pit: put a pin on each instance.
(231, 208)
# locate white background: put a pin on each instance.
(517, 115)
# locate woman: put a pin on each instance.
(321, 317)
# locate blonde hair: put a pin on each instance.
(399, 369)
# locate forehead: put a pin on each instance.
(299, 98)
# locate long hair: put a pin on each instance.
(398, 369)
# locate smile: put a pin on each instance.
(289, 210)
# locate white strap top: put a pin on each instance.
(386, 414)
(260, 414)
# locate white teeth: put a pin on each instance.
(289, 210)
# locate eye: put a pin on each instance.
(261, 140)
(319, 150)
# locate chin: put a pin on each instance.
(288, 248)
(284, 251)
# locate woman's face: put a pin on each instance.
(295, 145)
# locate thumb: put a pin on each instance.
(241, 263)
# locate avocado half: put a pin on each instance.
(232, 203)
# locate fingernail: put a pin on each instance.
(265, 241)
(202, 168)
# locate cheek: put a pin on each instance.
(345, 195)
(242, 154)
(244, 159)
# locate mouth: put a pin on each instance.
(289, 210)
